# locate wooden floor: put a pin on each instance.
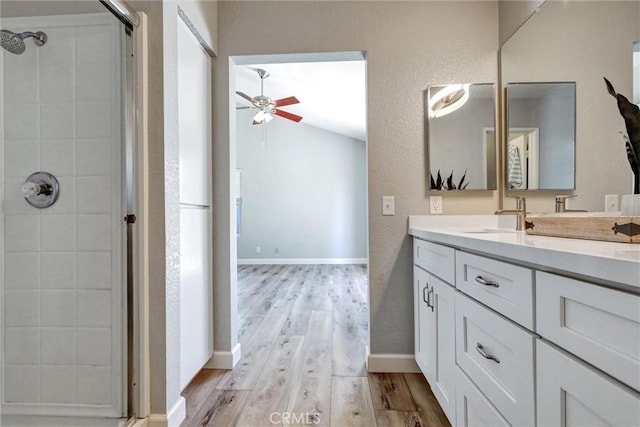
(303, 331)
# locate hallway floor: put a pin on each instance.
(304, 331)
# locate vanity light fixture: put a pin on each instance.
(448, 99)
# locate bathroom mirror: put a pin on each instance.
(461, 141)
(582, 42)
(541, 137)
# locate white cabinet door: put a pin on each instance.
(571, 393)
(472, 407)
(442, 375)
(422, 318)
(435, 336)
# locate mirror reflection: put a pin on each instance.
(461, 141)
(541, 137)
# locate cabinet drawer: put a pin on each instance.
(436, 259)
(472, 408)
(506, 288)
(497, 355)
(571, 393)
(597, 324)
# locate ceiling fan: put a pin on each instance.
(267, 107)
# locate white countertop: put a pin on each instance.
(607, 261)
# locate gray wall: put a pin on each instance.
(304, 193)
(409, 46)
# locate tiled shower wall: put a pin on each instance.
(63, 265)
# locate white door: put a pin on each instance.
(194, 115)
(442, 376)
(571, 393)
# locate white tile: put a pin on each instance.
(22, 233)
(57, 121)
(22, 307)
(66, 203)
(94, 232)
(21, 121)
(20, 85)
(58, 308)
(22, 270)
(94, 309)
(58, 157)
(93, 44)
(22, 384)
(94, 194)
(94, 347)
(58, 232)
(58, 384)
(14, 202)
(22, 346)
(94, 270)
(94, 385)
(60, 52)
(56, 83)
(58, 346)
(93, 120)
(58, 270)
(94, 82)
(93, 157)
(21, 158)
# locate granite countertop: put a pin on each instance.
(617, 263)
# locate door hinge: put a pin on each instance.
(130, 219)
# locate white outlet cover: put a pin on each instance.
(388, 205)
(435, 205)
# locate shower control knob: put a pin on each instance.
(41, 189)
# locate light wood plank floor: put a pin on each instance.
(304, 332)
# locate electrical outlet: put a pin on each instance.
(258, 250)
(435, 205)
(388, 205)
(611, 203)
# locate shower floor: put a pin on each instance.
(49, 421)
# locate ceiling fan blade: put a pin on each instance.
(245, 96)
(286, 101)
(244, 108)
(286, 115)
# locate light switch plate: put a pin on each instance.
(388, 205)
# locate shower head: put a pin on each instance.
(14, 42)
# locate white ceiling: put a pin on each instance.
(332, 95)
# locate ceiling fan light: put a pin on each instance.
(448, 99)
(267, 117)
(259, 116)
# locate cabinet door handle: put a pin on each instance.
(486, 355)
(429, 298)
(486, 282)
(425, 294)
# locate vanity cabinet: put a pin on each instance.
(510, 344)
(571, 393)
(435, 325)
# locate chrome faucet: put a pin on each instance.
(520, 211)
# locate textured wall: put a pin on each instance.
(304, 193)
(409, 46)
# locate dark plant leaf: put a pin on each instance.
(465, 186)
(631, 115)
(450, 184)
(433, 182)
(462, 179)
(635, 165)
(439, 181)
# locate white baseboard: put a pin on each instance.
(173, 418)
(266, 261)
(392, 363)
(225, 359)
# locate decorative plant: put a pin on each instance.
(448, 184)
(631, 115)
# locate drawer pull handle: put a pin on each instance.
(429, 298)
(486, 282)
(485, 354)
(425, 294)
